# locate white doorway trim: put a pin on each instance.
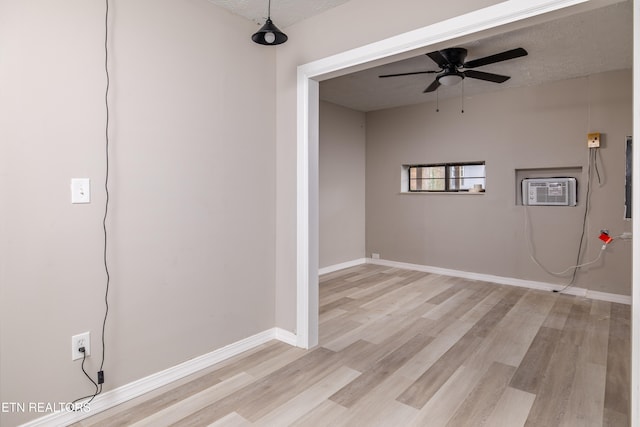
(307, 146)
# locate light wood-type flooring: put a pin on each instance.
(406, 348)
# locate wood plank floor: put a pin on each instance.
(405, 348)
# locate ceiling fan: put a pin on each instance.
(453, 68)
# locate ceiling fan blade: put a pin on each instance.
(433, 86)
(438, 59)
(498, 57)
(490, 77)
(408, 74)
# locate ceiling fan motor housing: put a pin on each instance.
(455, 55)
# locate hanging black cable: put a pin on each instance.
(75, 404)
(584, 221)
(106, 188)
(584, 218)
(100, 381)
(597, 150)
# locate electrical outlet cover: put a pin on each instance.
(80, 340)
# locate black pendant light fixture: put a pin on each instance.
(269, 34)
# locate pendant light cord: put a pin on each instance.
(78, 404)
(106, 178)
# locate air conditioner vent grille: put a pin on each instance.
(549, 191)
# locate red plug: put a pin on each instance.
(605, 238)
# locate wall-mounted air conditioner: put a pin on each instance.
(549, 191)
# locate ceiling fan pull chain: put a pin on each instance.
(437, 101)
(462, 99)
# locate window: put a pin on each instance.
(448, 177)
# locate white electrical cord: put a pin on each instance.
(538, 263)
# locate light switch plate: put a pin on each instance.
(80, 190)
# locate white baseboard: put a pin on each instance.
(603, 296)
(159, 379)
(137, 388)
(286, 336)
(341, 266)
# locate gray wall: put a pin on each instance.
(533, 127)
(304, 46)
(342, 185)
(192, 215)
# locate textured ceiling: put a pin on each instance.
(578, 45)
(283, 12)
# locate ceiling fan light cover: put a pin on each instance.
(450, 79)
(269, 34)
